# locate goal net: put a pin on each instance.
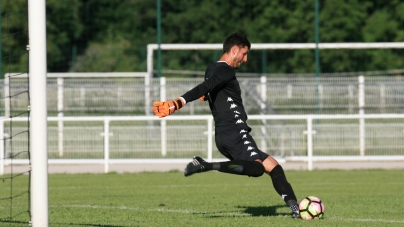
(14, 135)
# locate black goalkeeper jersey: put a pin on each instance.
(222, 90)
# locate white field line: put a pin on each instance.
(365, 220)
(163, 210)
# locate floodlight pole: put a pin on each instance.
(38, 114)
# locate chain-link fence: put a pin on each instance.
(125, 96)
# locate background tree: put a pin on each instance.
(63, 29)
(104, 35)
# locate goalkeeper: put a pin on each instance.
(232, 134)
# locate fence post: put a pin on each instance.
(310, 143)
(82, 96)
(282, 145)
(361, 101)
(148, 80)
(1, 147)
(263, 90)
(382, 98)
(210, 139)
(7, 96)
(292, 144)
(289, 91)
(60, 115)
(106, 145)
(351, 98)
(163, 122)
(320, 90)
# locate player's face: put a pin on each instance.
(240, 57)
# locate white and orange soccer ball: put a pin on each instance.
(311, 208)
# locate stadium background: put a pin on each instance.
(112, 36)
(99, 122)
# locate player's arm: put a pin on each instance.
(219, 78)
(165, 108)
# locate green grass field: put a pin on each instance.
(351, 198)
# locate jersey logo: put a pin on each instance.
(239, 121)
(232, 106)
(243, 131)
(253, 153)
(284, 195)
(229, 99)
(249, 148)
(244, 136)
(247, 142)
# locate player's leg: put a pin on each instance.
(281, 185)
(275, 171)
(254, 169)
(243, 147)
(239, 167)
(236, 146)
(246, 159)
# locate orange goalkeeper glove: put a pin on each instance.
(163, 109)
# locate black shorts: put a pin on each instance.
(238, 145)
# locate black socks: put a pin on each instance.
(282, 186)
(293, 206)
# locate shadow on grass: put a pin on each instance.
(263, 210)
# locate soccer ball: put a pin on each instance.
(311, 208)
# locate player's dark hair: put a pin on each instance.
(235, 39)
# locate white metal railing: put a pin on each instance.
(72, 95)
(60, 77)
(310, 158)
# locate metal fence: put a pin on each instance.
(132, 135)
(125, 96)
(307, 138)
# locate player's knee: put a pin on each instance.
(257, 169)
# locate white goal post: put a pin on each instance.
(38, 113)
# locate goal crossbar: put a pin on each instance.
(292, 46)
(81, 75)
